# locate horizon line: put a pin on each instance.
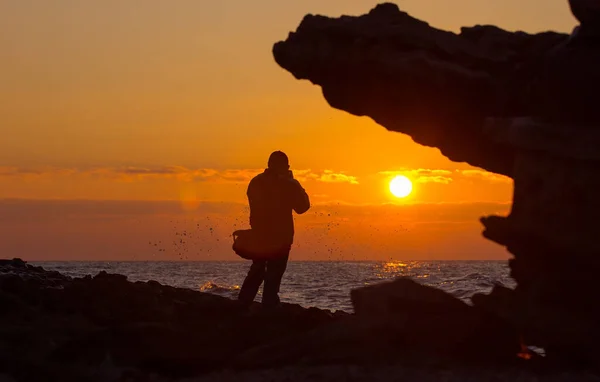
(245, 261)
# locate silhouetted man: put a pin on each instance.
(273, 195)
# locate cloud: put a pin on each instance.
(229, 176)
(423, 175)
(325, 176)
(434, 179)
(445, 176)
(28, 210)
(185, 174)
(137, 230)
(11, 171)
(329, 176)
(131, 174)
(181, 173)
(489, 176)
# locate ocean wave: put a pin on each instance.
(212, 287)
(320, 284)
(462, 293)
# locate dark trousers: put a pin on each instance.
(269, 271)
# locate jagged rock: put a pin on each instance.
(342, 342)
(555, 205)
(14, 263)
(500, 301)
(565, 91)
(111, 277)
(154, 283)
(436, 86)
(555, 202)
(420, 317)
(147, 326)
(400, 296)
(510, 102)
(101, 325)
(14, 273)
(552, 233)
(586, 11)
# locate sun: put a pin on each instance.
(401, 186)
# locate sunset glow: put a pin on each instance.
(127, 122)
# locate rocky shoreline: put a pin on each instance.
(105, 328)
(513, 103)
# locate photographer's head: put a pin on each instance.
(279, 162)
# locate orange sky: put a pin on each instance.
(143, 102)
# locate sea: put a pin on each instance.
(324, 285)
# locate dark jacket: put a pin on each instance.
(272, 199)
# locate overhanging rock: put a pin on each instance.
(434, 85)
(518, 104)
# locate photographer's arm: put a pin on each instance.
(300, 200)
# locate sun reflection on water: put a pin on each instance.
(394, 265)
(423, 270)
(396, 269)
(321, 284)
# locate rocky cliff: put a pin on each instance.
(518, 104)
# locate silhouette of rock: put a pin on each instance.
(77, 328)
(518, 104)
(95, 327)
(400, 320)
(14, 263)
(552, 233)
(429, 320)
(586, 11)
(436, 86)
(400, 296)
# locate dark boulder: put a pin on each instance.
(429, 320)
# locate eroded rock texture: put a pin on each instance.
(105, 328)
(513, 103)
(552, 231)
(436, 86)
(57, 328)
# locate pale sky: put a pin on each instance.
(168, 100)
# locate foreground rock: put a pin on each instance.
(81, 329)
(552, 231)
(513, 103)
(104, 327)
(387, 373)
(398, 322)
(426, 319)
